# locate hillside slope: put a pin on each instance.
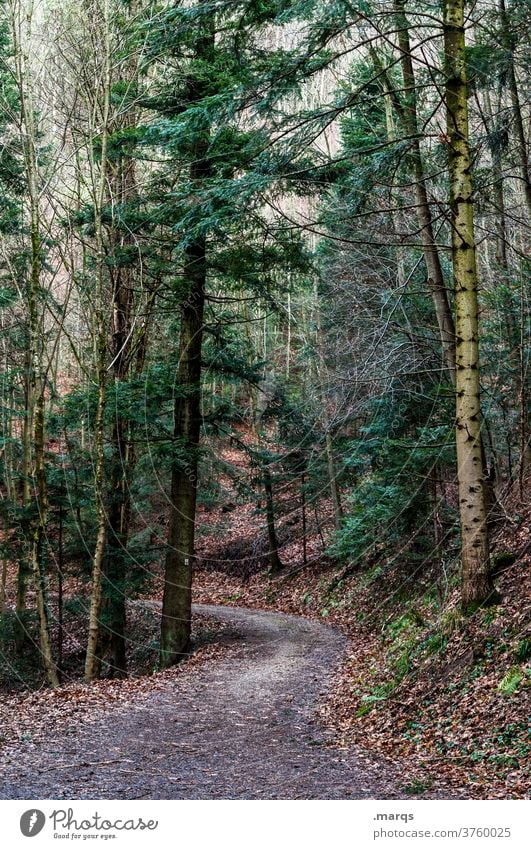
(420, 681)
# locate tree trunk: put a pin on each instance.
(335, 492)
(176, 622)
(303, 512)
(275, 563)
(176, 605)
(35, 387)
(508, 42)
(60, 595)
(408, 114)
(24, 568)
(123, 189)
(92, 660)
(5, 564)
(332, 476)
(38, 545)
(476, 581)
(113, 615)
(432, 260)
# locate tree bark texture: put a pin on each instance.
(476, 581)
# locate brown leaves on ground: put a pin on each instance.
(446, 695)
(420, 682)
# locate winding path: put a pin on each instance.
(240, 728)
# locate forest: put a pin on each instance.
(265, 344)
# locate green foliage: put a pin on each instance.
(379, 694)
(485, 65)
(8, 296)
(435, 644)
(523, 651)
(384, 506)
(373, 506)
(418, 786)
(511, 681)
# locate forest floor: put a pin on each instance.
(445, 695)
(445, 722)
(238, 727)
(378, 687)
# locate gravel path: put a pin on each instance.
(240, 728)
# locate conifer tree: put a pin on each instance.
(477, 583)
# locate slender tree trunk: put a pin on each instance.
(335, 492)
(303, 511)
(5, 564)
(477, 585)
(391, 136)
(114, 617)
(508, 42)
(275, 563)
(501, 220)
(332, 476)
(37, 391)
(39, 542)
(60, 595)
(288, 334)
(251, 352)
(409, 117)
(24, 567)
(35, 398)
(119, 515)
(92, 660)
(523, 395)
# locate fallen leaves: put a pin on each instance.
(446, 717)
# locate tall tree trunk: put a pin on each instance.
(509, 44)
(123, 190)
(24, 567)
(37, 391)
(176, 622)
(177, 600)
(113, 618)
(409, 117)
(333, 483)
(92, 660)
(116, 571)
(492, 127)
(523, 394)
(38, 544)
(288, 331)
(35, 399)
(119, 513)
(476, 581)
(60, 595)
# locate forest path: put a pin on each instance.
(240, 728)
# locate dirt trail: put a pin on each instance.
(241, 728)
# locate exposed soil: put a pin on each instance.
(238, 728)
